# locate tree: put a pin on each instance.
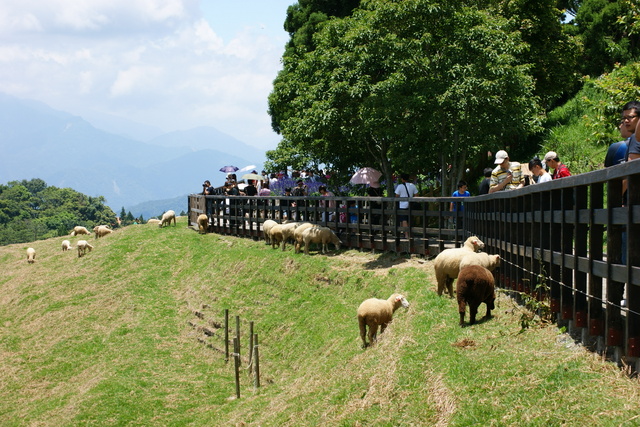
(407, 86)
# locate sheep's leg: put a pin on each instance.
(373, 331)
(490, 306)
(462, 307)
(473, 311)
(450, 286)
(363, 332)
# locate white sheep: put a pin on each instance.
(66, 245)
(167, 217)
(83, 246)
(490, 262)
(101, 230)
(153, 221)
(447, 263)
(375, 312)
(280, 233)
(320, 235)
(297, 235)
(31, 255)
(266, 230)
(203, 223)
(77, 230)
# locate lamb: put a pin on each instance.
(66, 245)
(475, 286)
(203, 223)
(31, 255)
(447, 263)
(101, 230)
(83, 245)
(297, 235)
(153, 221)
(77, 230)
(375, 312)
(266, 230)
(321, 235)
(167, 217)
(490, 262)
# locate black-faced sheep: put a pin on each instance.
(320, 235)
(266, 230)
(375, 312)
(66, 245)
(490, 262)
(78, 230)
(167, 217)
(203, 223)
(101, 231)
(83, 246)
(475, 286)
(447, 263)
(31, 255)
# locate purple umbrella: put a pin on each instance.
(228, 169)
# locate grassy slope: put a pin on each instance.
(106, 339)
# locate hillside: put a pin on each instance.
(115, 338)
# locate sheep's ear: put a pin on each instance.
(399, 298)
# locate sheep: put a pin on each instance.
(31, 255)
(66, 245)
(167, 217)
(322, 235)
(490, 262)
(475, 286)
(266, 230)
(447, 263)
(101, 230)
(375, 312)
(280, 233)
(77, 230)
(153, 221)
(203, 223)
(83, 245)
(297, 235)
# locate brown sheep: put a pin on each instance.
(375, 312)
(475, 286)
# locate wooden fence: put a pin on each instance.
(575, 235)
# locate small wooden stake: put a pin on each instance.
(226, 334)
(256, 362)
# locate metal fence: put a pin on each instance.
(576, 236)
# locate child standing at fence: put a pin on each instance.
(459, 206)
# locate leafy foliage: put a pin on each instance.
(31, 210)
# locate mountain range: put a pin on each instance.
(64, 150)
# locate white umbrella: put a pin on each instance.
(366, 176)
(253, 176)
(247, 168)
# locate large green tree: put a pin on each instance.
(409, 85)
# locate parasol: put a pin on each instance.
(365, 176)
(228, 169)
(253, 176)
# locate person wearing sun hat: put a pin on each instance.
(553, 161)
(507, 175)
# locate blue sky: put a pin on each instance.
(171, 64)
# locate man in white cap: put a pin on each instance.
(553, 161)
(507, 175)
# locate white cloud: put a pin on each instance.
(158, 62)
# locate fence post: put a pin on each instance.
(250, 342)
(236, 358)
(256, 361)
(226, 334)
(238, 334)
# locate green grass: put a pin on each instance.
(113, 339)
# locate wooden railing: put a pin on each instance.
(571, 242)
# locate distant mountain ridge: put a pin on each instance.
(67, 151)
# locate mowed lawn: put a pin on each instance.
(130, 334)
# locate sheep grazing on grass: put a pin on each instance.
(320, 235)
(266, 230)
(447, 263)
(475, 286)
(66, 245)
(280, 233)
(203, 223)
(83, 246)
(153, 221)
(490, 262)
(31, 255)
(78, 230)
(167, 217)
(298, 232)
(101, 230)
(375, 312)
